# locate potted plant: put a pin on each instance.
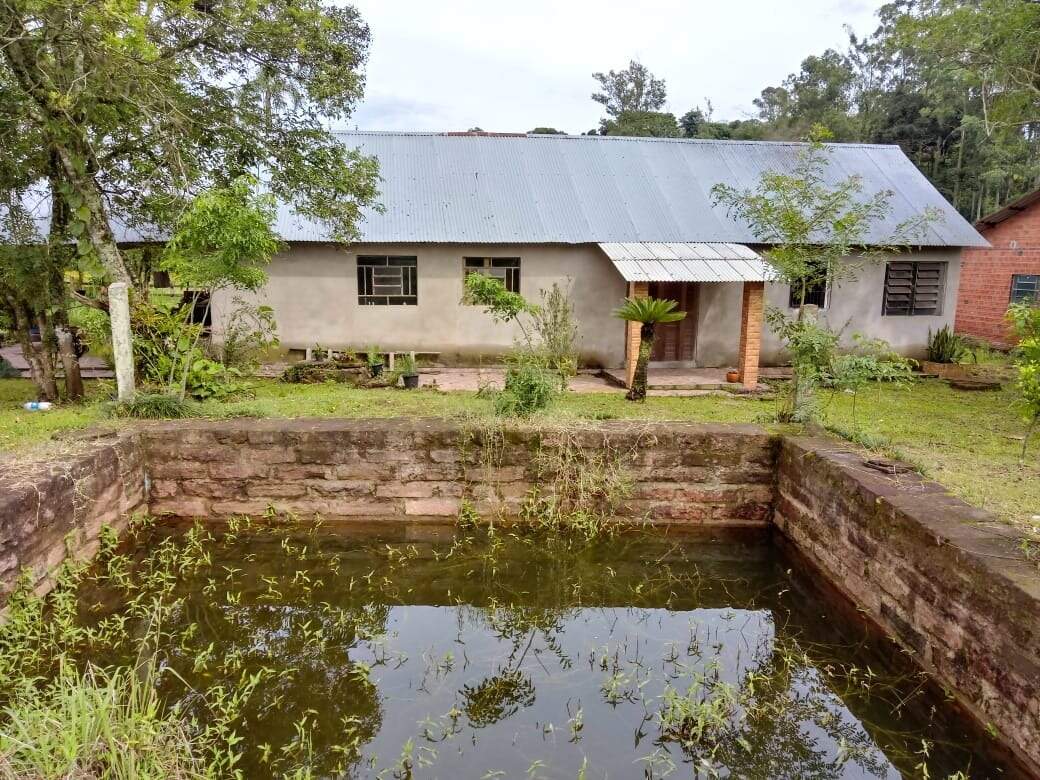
(409, 374)
(945, 350)
(375, 361)
(732, 376)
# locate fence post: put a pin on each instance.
(122, 343)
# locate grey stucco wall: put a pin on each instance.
(313, 290)
(852, 307)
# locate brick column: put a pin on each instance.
(635, 290)
(751, 333)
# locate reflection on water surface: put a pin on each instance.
(464, 654)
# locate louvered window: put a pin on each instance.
(387, 281)
(913, 289)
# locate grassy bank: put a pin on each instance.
(969, 441)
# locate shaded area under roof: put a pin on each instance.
(463, 188)
(686, 262)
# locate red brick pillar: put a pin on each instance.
(751, 333)
(635, 290)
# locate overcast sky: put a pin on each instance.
(512, 66)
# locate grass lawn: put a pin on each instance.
(969, 441)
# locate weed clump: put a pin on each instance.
(155, 406)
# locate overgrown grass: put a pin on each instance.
(95, 723)
(20, 428)
(969, 441)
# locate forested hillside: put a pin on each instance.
(956, 83)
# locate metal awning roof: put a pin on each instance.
(652, 261)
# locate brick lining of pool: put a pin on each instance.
(934, 573)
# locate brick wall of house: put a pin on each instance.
(986, 275)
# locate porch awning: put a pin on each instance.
(652, 261)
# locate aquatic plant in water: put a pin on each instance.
(279, 647)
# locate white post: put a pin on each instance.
(122, 346)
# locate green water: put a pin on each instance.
(436, 653)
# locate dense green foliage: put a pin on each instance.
(1026, 322)
(153, 114)
(818, 235)
(945, 346)
(955, 83)
(131, 109)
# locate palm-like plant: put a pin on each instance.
(648, 312)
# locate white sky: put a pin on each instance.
(512, 66)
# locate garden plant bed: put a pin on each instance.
(919, 564)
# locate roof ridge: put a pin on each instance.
(615, 138)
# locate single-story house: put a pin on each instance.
(1006, 272)
(608, 216)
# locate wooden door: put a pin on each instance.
(674, 341)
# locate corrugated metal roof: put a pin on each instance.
(686, 262)
(588, 189)
(462, 188)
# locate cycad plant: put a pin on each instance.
(649, 313)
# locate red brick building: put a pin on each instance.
(1008, 272)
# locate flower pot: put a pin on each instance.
(411, 381)
(733, 377)
(943, 370)
(375, 368)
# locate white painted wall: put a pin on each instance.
(313, 290)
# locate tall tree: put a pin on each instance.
(818, 232)
(633, 88)
(649, 124)
(141, 105)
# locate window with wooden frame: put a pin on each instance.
(387, 280)
(1025, 288)
(505, 269)
(913, 288)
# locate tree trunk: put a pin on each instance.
(803, 389)
(98, 229)
(71, 150)
(637, 392)
(70, 363)
(46, 389)
(46, 353)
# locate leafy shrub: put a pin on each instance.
(208, 379)
(812, 347)
(247, 332)
(557, 328)
(7, 371)
(529, 387)
(1025, 320)
(945, 346)
(155, 406)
